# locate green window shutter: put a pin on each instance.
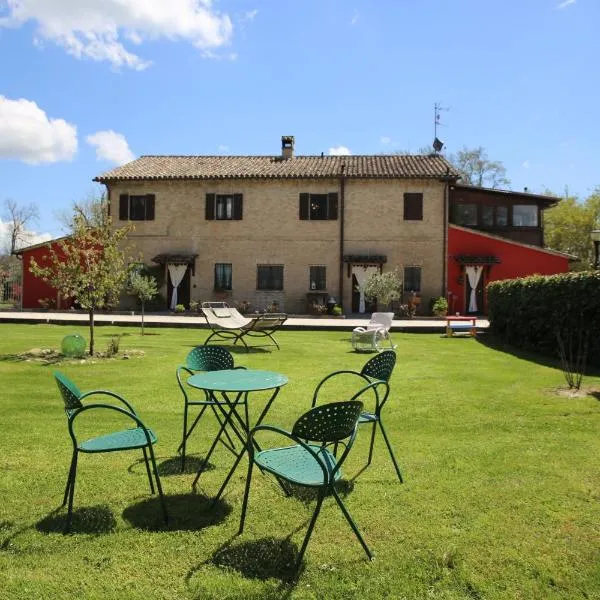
(210, 207)
(150, 207)
(123, 207)
(332, 206)
(238, 200)
(304, 201)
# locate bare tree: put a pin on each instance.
(19, 218)
(475, 168)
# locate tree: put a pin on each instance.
(567, 227)
(385, 287)
(143, 287)
(476, 169)
(89, 265)
(18, 219)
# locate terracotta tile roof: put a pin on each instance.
(274, 167)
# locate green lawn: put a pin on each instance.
(501, 496)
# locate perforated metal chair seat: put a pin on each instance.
(129, 439)
(297, 465)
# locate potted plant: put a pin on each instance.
(439, 307)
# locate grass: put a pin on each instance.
(501, 496)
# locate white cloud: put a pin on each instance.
(28, 134)
(249, 15)
(223, 148)
(385, 139)
(565, 4)
(525, 164)
(95, 29)
(339, 151)
(30, 238)
(111, 146)
(355, 18)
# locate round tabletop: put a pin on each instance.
(237, 380)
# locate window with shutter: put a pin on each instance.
(222, 276)
(412, 279)
(123, 207)
(413, 207)
(224, 207)
(318, 207)
(269, 277)
(318, 279)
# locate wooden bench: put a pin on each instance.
(461, 324)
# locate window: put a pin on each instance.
(501, 216)
(412, 279)
(224, 207)
(269, 277)
(464, 214)
(413, 207)
(223, 276)
(487, 216)
(525, 215)
(136, 207)
(318, 280)
(318, 207)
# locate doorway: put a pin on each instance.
(183, 291)
(479, 298)
(370, 305)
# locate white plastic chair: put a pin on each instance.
(377, 331)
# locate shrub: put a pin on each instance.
(179, 308)
(531, 312)
(336, 310)
(439, 306)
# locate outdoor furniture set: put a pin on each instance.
(311, 456)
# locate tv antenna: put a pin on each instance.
(437, 143)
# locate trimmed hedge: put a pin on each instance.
(527, 312)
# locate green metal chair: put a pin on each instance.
(138, 437)
(202, 358)
(310, 464)
(378, 371)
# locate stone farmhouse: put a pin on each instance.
(289, 229)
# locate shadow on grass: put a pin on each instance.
(595, 395)
(240, 349)
(172, 466)
(91, 519)
(495, 343)
(187, 512)
(308, 495)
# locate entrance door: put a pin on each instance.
(183, 291)
(479, 296)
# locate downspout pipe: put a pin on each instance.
(342, 204)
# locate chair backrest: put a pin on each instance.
(328, 422)
(380, 366)
(223, 316)
(209, 358)
(69, 391)
(381, 320)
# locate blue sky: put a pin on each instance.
(87, 85)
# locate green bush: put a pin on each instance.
(179, 308)
(439, 306)
(336, 310)
(528, 312)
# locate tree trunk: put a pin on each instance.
(143, 318)
(91, 316)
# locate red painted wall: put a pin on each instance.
(35, 289)
(516, 260)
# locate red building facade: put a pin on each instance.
(484, 257)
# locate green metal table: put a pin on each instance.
(234, 385)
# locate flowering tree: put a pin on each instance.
(385, 287)
(89, 265)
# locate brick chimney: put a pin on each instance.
(287, 146)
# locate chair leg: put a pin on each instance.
(389, 447)
(148, 470)
(69, 479)
(352, 523)
(71, 492)
(246, 495)
(374, 428)
(187, 432)
(158, 485)
(311, 526)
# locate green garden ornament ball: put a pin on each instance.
(73, 345)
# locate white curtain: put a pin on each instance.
(474, 275)
(176, 272)
(362, 274)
